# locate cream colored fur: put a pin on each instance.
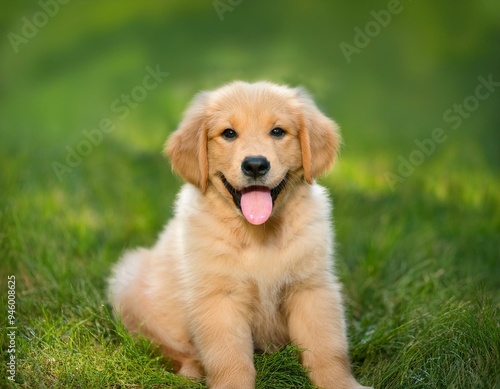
(215, 287)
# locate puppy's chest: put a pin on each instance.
(273, 266)
(269, 329)
(275, 271)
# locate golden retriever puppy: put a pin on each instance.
(246, 262)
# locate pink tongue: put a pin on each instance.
(257, 205)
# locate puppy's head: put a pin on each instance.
(253, 143)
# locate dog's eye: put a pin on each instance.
(277, 132)
(229, 134)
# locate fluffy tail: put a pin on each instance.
(125, 277)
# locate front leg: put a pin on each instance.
(220, 324)
(316, 324)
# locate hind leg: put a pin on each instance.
(145, 293)
(184, 365)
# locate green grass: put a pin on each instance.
(420, 263)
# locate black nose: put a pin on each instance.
(255, 166)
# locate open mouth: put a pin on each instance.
(255, 202)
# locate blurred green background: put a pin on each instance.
(435, 234)
(395, 90)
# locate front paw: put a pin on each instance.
(232, 377)
(357, 385)
(336, 381)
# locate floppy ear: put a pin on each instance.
(319, 138)
(187, 146)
